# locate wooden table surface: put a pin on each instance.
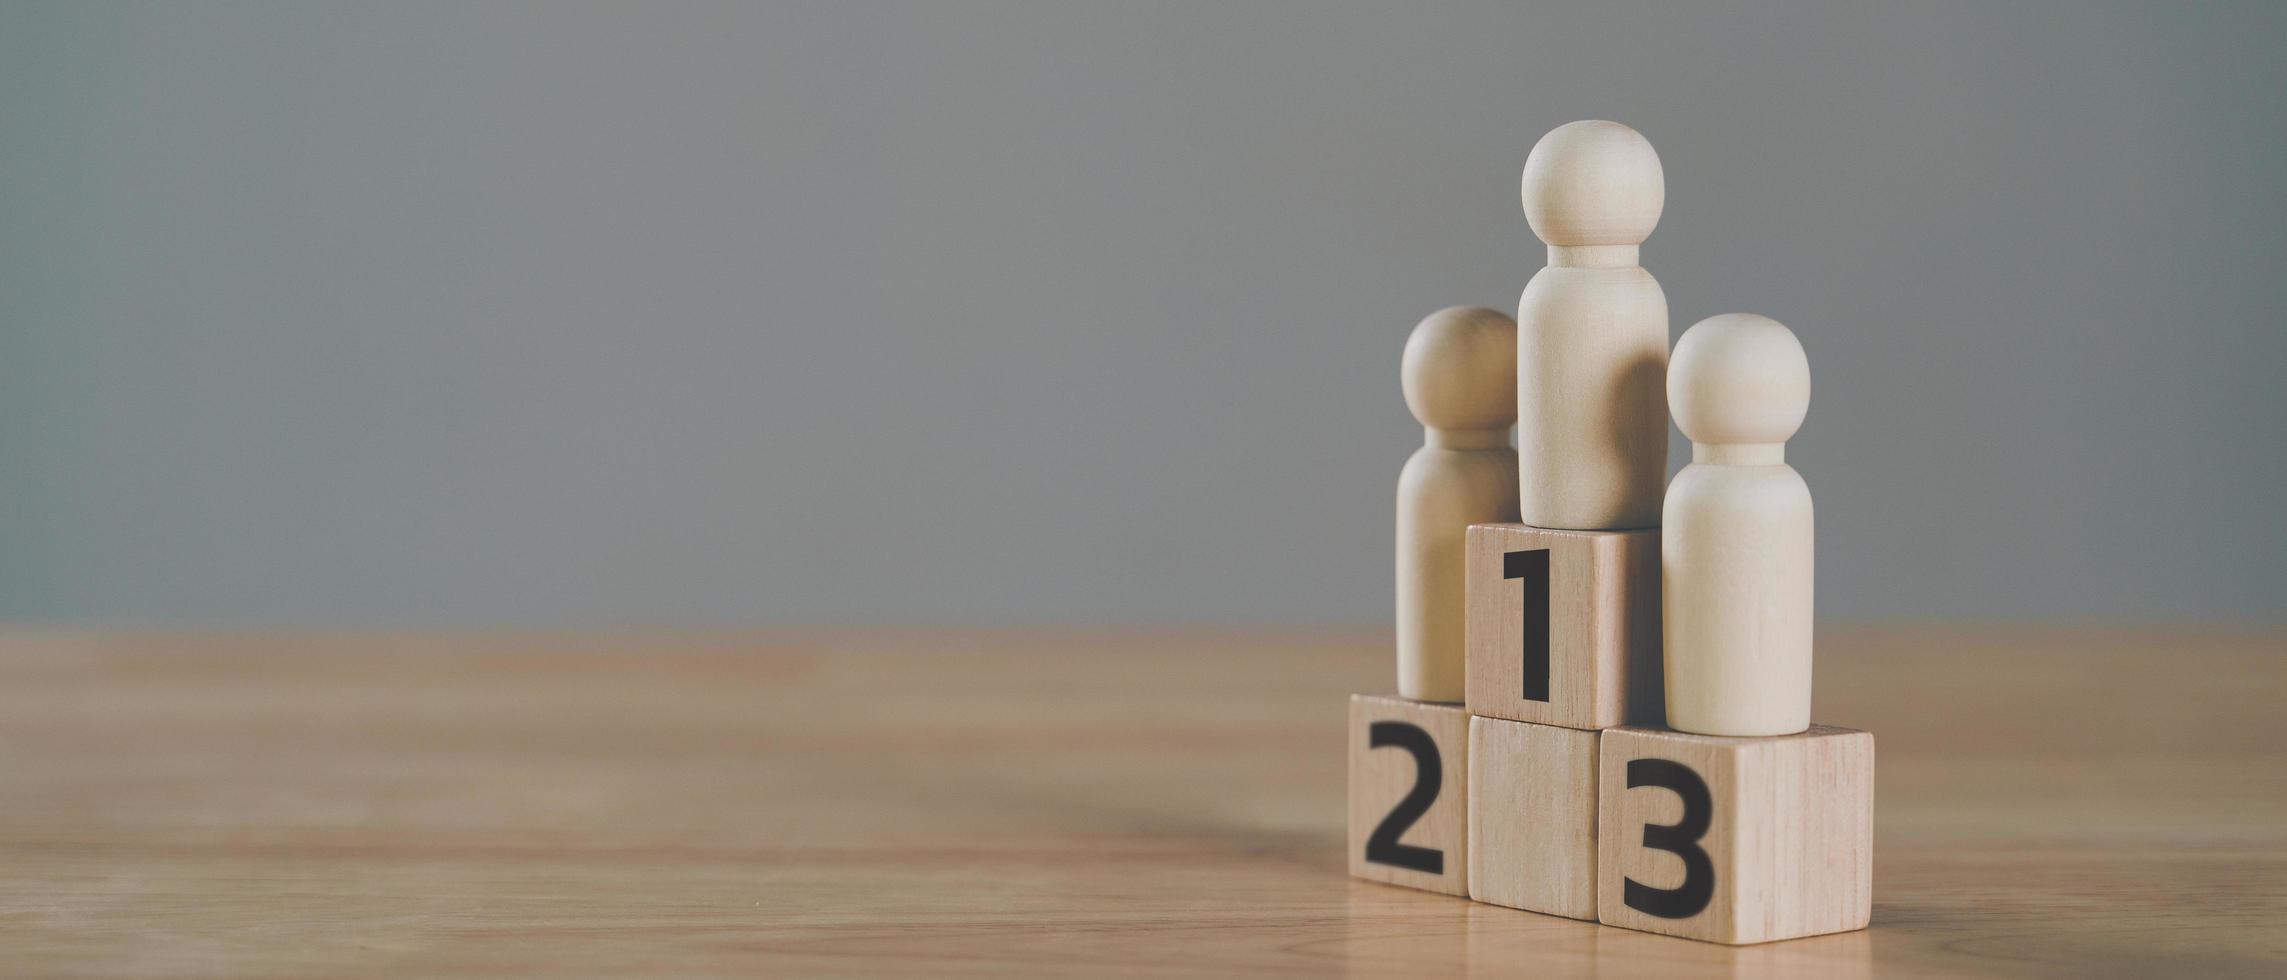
(2051, 803)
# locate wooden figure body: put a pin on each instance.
(1735, 541)
(1460, 381)
(1592, 335)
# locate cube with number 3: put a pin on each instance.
(1735, 840)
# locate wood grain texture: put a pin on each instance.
(2051, 803)
(1382, 777)
(1784, 831)
(1532, 817)
(1602, 627)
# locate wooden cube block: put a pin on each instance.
(1409, 793)
(1564, 626)
(1736, 840)
(1532, 816)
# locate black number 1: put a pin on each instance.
(1429, 773)
(1680, 839)
(1532, 566)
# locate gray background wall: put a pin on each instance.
(962, 312)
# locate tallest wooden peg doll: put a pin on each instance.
(1592, 335)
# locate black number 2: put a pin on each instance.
(1532, 566)
(1429, 775)
(1680, 839)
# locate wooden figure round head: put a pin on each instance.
(1460, 369)
(1738, 379)
(1593, 183)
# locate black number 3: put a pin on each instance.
(1680, 839)
(1429, 774)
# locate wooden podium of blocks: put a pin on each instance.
(1409, 793)
(1736, 839)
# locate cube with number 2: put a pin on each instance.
(1409, 793)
